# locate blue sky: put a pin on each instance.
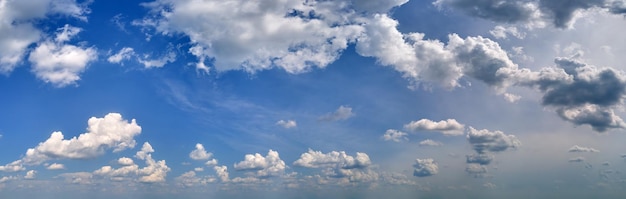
(312, 99)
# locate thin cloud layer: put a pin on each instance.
(342, 113)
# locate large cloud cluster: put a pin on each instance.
(485, 142)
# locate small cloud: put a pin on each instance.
(287, 123)
(580, 149)
(124, 54)
(449, 127)
(342, 113)
(211, 162)
(55, 166)
(425, 167)
(200, 153)
(489, 185)
(577, 159)
(30, 175)
(395, 135)
(198, 169)
(429, 142)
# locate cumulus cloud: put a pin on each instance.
(200, 153)
(262, 166)
(124, 54)
(153, 172)
(483, 141)
(429, 142)
(578, 149)
(108, 132)
(340, 166)
(482, 159)
(562, 14)
(342, 113)
(30, 175)
(55, 166)
(476, 170)
(19, 32)
(425, 167)
(395, 135)
(14, 166)
(287, 123)
(449, 127)
(222, 173)
(59, 63)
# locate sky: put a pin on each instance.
(312, 99)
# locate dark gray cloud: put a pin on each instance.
(560, 13)
(484, 141)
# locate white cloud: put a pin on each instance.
(317, 159)
(211, 162)
(429, 142)
(342, 113)
(222, 173)
(476, 170)
(287, 123)
(501, 32)
(395, 135)
(270, 165)
(200, 153)
(449, 127)
(124, 54)
(483, 141)
(198, 169)
(6, 179)
(111, 131)
(78, 177)
(14, 166)
(55, 166)
(30, 175)
(153, 172)
(159, 62)
(577, 148)
(19, 32)
(425, 167)
(58, 63)
(189, 179)
(124, 161)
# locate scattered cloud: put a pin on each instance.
(317, 159)
(200, 153)
(55, 166)
(577, 159)
(425, 167)
(476, 170)
(124, 54)
(262, 166)
(287, 124)
(30, 175)
(395, 135)
(153, 172)
(449, 127)
(577, 149)
(429, 142)
(149, 62)
(482, 159)
(342, 113)
(483, 141)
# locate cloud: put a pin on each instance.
(482, 159)
(200, 153)
(533, 13)
(577, 159)
(342, 113)
(483, 141)
(6, 179)
(222, 173)
(211, 162)
(124, 54)
(501, 32)
(429, 142)
(108, 132)
(449, 127)
(268, 166)
(489, 185)
(243, 35)
(55, 166)
(153, 172)
(336, 159)
(425, 167)
(578, 149)
(78, 178)
(14, 166)
(17, 20)
(395, 135)
(287, 124)
(58, 63)
(30, 175)
(476, 170)
(189, 179)
(148, 62)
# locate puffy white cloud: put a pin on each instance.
(19, 32)
(577, 148)
(124, 54)
(448, 127)
(110, 131)
(189, 179)
(270, 165)
(429, 142)
(287, 123)
(342, 113)
(395, 135)
(222, 173)
(55, 166)
(200, 153)
(483, 141)
(425, 167)
(333, 159)
(153, 172)
(14, 166)
(58, 63)
(30, 175)
(211, 162)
